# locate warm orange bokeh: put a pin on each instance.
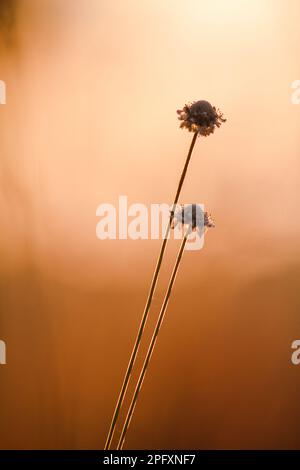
(92, 93)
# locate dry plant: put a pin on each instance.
(191, 215)
(200, 118)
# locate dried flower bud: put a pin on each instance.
(194, 216)
(201, 117)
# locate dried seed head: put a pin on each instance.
(194, 216)
(201, 117)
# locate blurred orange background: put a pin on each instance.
(92, 92)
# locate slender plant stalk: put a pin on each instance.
(148, 303)
(152, 343)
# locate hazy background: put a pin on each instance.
(92, 92)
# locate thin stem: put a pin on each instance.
(152, 343)
(185, 168)
(148, 303)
